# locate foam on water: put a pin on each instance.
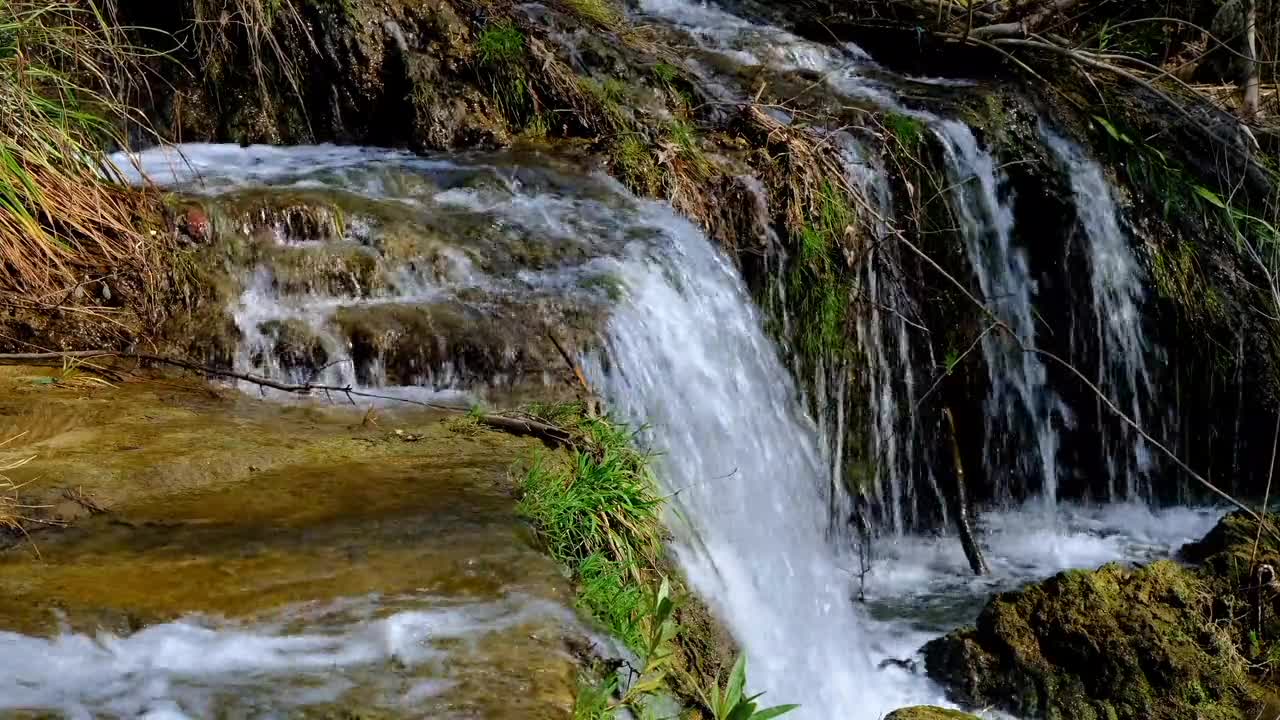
(213, 167)
(187, 668)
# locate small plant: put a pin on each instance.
(598, 512)
(501, 51)
(730, 703)
(502, 43)
(654, 649)
(636, 164)
(951, 360)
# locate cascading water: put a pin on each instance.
(754, 490)
(757, 484)
(1117, 292)
(1023, 412)
(687, 355)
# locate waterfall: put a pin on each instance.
(687, 355)
(1023, 412)
(1117, 293)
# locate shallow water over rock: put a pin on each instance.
(259, 560)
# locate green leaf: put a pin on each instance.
(774, 712)
(743, 710)
(1211, 196)
(737, 681)
(1112, 130)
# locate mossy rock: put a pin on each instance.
(1164, 641)
(1111, 644)
(928, 712)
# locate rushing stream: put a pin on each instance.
(446, 275)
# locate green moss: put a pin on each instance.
(1115, 642)
(610, 285)
(908, 131)
(1178, 277)
(924, 712)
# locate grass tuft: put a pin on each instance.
(597, 511)
(62, 69)
(637, 165)
(666, 73)
(600, 12)
(823, 294)
(502, 43)
(502, 49)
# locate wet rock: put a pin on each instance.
(453, 343)
(928, 712)
(1116, 643)
(295, 345)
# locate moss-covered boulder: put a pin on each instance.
(928, 712)
(1164, 641)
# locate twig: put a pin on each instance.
(516, 426)
(950, 366)
(1145, 435)
(1266, 495)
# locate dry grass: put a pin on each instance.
(11, 508)
(60, 104)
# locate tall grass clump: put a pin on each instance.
(597, 511)
(501, 51)
(61, 103)
(600, 12)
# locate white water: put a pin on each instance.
(1116, 281)
(688, 356)
(190, 667)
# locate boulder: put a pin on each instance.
(1161, 642)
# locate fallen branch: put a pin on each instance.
(960, 503)
(525, 427)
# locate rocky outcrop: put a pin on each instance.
(1164, 641)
